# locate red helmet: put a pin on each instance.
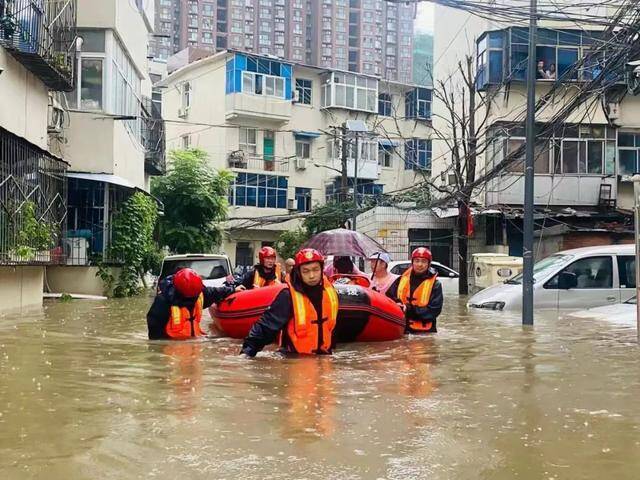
(266, 252)
(308, 255)
(422, 252)
(188, 283)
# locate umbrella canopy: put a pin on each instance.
(344, 242)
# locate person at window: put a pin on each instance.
(303, 315)
(176, 311)
(382, 278)
(551, 73)
(265, 273)
(541, 73)
(419, 293)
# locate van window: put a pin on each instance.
(207, 268)
(627, 271)
(444, 272)
(592, 272)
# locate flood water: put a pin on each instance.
(84, 395)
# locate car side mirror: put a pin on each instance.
(567, 281)
(452, 275)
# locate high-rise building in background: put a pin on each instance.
(423, 59)
(367, 36)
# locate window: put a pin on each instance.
(418, 104)
(384, 104)
(303, 199)
(91, 84)
(349, 91)
(494, 235)
(262, 191)
(259, 84)
(628, 153)
(591, 273)
(385, 156)
(627, 271)
(303, 149)
(186, 95)
(248, 140)
(303, 87)
(186, 142)
(417, 154)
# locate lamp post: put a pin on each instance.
(636, 233)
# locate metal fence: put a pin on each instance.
(153, 138)
(40, 34)
(265, 163)
(33, 203)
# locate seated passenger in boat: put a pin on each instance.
(419, 293)
(265, 273)
(382, 278)
(303, 315)
(176, 311)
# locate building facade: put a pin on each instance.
(37, 59)
(581, 169)
(423, 59)
(280, 130)
(374, 37)
(114, 136)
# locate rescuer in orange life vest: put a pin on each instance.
(266, 273)
(419, 292)
(176, 311)
(303, 315)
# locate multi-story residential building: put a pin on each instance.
(374, 37)
(37, 61)
(114, 141)
(279, 130)
(581, 171)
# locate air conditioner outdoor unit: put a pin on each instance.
(614, 111)
(183, 112)
(301, 163)
(76, 250)
(292, 204)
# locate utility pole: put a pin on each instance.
(527, 241)
(355, 182)
(344, 160)
(636, 216)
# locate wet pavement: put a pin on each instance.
(84, 395)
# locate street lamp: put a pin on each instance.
(636, 213)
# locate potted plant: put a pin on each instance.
(8, 25)
(35, 238)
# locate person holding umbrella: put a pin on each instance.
(381, 278)
(419, 293)
(303, 315)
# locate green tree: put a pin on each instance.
(195, 199)
(132, 244)
(290, 241)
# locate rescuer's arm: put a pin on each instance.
(266, 330)
(157, 318)
(216, 294)
(431, 311)
(392, 292)
(247, 279)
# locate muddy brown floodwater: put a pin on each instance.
(84, 395)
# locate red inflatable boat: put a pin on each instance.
(363, 315)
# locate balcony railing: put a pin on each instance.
(246, 161)
(33, 203)
(153, 138)
(40, 34)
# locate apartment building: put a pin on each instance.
(582, 188)
(374, 37)
(37, 61)
(114, 140)
(279, 129)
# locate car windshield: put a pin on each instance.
(542, 268)
(207, 268)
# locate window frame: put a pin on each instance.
(552, 283)
(306, 145)
(304, 87)
(244, 144)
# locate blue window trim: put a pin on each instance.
(258, 190)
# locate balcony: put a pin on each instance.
(562, 55)
(239, 160)
(367, 169)
(153, 138)
(40, 34)
(246, 106)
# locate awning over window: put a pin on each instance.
(102, 177)
(305, 134)
(385, 142)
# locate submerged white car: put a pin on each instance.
(573, 279)
(620, 313)
(214, 269)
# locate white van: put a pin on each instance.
(214, 269)
(573, 279)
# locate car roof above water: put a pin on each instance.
(627, 249)
(195, 256)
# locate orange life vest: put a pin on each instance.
(307, 333)
(259, 281)
(184, 324)
(420, 297)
